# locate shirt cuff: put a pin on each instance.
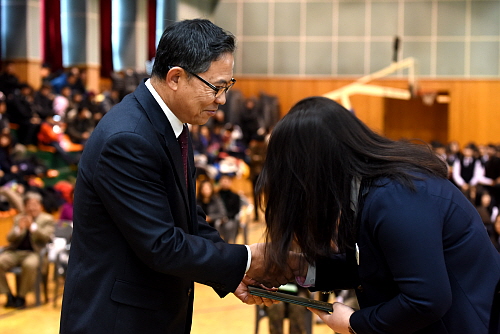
(249, 260)
(310, 279)
(33, 227)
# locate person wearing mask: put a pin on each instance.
(140, 241)
(378, 216)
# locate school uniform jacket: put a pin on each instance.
(424, 262)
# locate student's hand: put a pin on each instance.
(338, 319)
(298, 265)
(244, 295)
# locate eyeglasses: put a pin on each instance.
(218, 90)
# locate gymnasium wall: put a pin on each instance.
(472, 111)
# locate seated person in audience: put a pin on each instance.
(484, 207)
(8, 169)
(31, 231)
(44, 101)
(229, 228)
(4, 119)
(9, 80)
(13, 192)
(63, 102)
(211, 203)
(50, 135)
(81, 126)
(111, 98)
(467, 171)
(67, 208)
(20, 109)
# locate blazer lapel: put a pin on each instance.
(166, 136)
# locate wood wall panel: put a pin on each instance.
(28, 71)
(473, 113)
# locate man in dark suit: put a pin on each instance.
(140, 242)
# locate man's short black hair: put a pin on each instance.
(192, 45)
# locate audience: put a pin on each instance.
(26, 120)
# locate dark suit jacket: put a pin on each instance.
(139, 239)
(426, 264)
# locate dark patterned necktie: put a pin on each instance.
(183, 143)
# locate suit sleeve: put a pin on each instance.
(129, 181)
(407, 227)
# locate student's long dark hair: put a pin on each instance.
(313, 154)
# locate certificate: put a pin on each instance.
(284, 297)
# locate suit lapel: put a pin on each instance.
(167, 137)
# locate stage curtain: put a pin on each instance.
(151, 28)
(51, 34)
(106, 46)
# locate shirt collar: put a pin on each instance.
(176, 123)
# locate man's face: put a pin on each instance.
(195, 101)
(33, 207)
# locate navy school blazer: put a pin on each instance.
(425, 263)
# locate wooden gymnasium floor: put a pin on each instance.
(211, 313)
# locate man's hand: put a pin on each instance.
(296, 266)
(24, 222)
(244, 295)
(257, 270)
(338, 320)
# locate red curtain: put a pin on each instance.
(151, 28)
(106, 46)
(51, 34)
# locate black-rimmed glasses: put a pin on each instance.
(218, 90)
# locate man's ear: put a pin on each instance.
(173, 77)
